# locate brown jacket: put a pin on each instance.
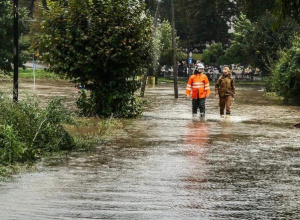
(225, 86)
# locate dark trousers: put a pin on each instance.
(225, 102)
(198, 103)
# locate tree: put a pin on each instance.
(165, 30)
(287, 9)
(282, 9)
(206, 20)
(257, 44)
(241, 48)
(255, 9)
(6, 35)
(166, 34)
(199, 21)
(211, 55)
(29, 5)
(233, 55)
(286, 78)
(35, 27)
(103, 45)
(151, 6)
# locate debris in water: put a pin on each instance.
(297, 125)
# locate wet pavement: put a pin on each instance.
(44, 90)
(165, 165)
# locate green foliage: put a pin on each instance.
(282, 9)
(241, 47)
(160, 41)
(196, 20)
(29, 4)
(287, 8)
(39, 73)
(102, 45)
(166, 53)
(26, 130)
(108, 126)
(167, 57)
(87, 106)
(6, 35)
(232, 55)
(197, 56)
(257, 44)
(211, 55)
(165, 29)
(255, 9)
(181, 56)
(286, 77)
(35, 27)
(204, 20)
(151, 6)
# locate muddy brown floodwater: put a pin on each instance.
(165, 165)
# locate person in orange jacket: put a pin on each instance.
(198, 85)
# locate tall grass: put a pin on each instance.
(28, 130)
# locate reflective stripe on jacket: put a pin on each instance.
(198, 84)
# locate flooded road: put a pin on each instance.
(165, 165)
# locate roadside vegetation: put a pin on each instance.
(29, 131)
(39, 73)
(106, 45)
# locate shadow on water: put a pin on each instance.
(165, 165)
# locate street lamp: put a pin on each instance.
(16, 51)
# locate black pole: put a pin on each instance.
(16, 51)
(174, 51)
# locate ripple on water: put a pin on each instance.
(167, 166)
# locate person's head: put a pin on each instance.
(226, 71)
(200, 67)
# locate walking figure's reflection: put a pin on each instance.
(197, 142)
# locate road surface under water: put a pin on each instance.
(165, 165)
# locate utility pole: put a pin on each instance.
(188, 48)
(156, 14)
(16, 52)
(174, 51)
(151, 69)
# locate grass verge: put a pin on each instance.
(249, 83)
(29, 132)
(40, 73)
(28, 74)
(165, 80)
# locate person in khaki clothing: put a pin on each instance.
(225, 91)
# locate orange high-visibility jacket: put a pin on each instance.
(199, 85)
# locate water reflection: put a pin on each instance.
(165, 165)
(196, 139)
(197, 143)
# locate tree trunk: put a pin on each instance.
(174, 51)
(144, 80)
(16, 52)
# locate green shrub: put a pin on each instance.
(27, 130)
(103, 45)
(286, 77)
(166, 57)
(211, 55)
(89, 106)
